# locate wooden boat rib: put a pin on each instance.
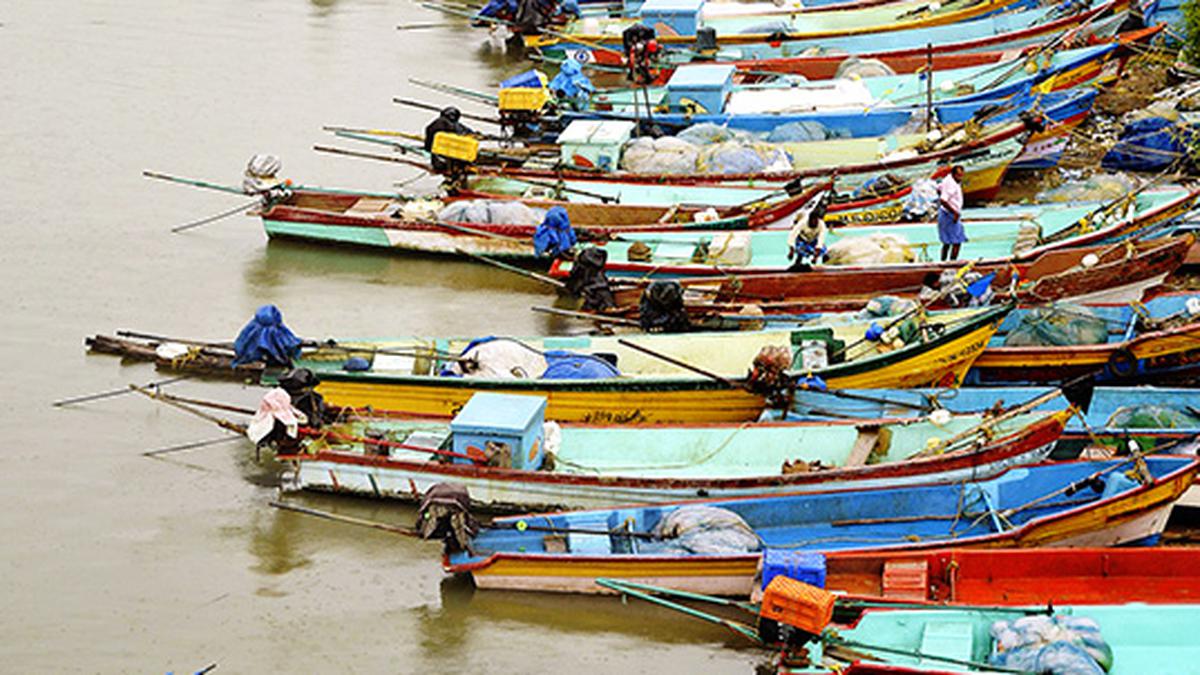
(1135, 515)
(411, 474)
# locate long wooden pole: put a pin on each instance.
(362, 522)
(676, 362)
(512, 268)
(585, 316)
(212, 219)
(193, 182)
(115, 392)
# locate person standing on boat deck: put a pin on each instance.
(447, 121)
(950, 203)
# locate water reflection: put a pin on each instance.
(273, 543)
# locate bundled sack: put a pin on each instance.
(857, 68)
(1058, 325)
(876, 249)
(742, 157)
(922, 201)
(706, 530)
(1063, 645)
(707, 133)
(491, 211)
(666, 155)
(885, 306)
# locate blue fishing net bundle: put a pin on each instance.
(1060, 645)
(1058, 325)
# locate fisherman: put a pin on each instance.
(571, 87)
(640, 50)
(950, 203)
(806, 241)
(448, 122)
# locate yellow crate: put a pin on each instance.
(456, 146)
(524, 98)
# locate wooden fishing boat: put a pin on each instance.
(1013, 577)
(651, 390)
(1045, 71)
(873, 20)
(693, 254)
(1121, 273)
(1094, 24)
(381, 221)
(1158, 342)
(604, 466)
(1142, 639)
(1005, 31)
(1022, 507)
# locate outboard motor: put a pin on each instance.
(445, 514)
(661, 308)
(261, 178)
(588, 280)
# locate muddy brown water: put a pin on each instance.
(112, 562)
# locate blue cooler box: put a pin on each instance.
(672, 17)
(501, 418)
(707, 86)
(798, 565)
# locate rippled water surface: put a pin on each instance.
(113, 562)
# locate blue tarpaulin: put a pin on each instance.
(571, 81)
(1150, 144)
(266, 339)
(564, 365)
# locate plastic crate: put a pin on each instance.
(798, 565)
(524, 99)
(456, 146)
(797, 604)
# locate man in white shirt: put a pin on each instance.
(950, 202)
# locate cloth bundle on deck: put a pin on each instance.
(1058, 325)
(706, 529)
(491, 211)
(1063, 645)
(507, 359)
(742, 157)
(266, 339)
(661, 310)
(668, 155)
(1154, 417)
(856, 67)
(707, 133)
(876, 249)
(885, 306)
(1151, 144)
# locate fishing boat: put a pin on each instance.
(678, 25)
(1037, 505)
(1156, 342)
(1004, 31)
(1118, 273)
(383, 221)
(693, 254)
(651, 390)
(598, 466)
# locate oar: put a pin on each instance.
(986, 424)
(586, 316)
(428, 106)
(512, 268)
(212, 219)
(370, 155)
(193, 182)
(183, 341)
(215, 405)
(115, 392)
(395, 529)
(471, 94)
(676, 362)
(189, 446)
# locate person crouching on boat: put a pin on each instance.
(806, 241)
(950, 203)
(555, 238)
(301, 386)
(448, 121)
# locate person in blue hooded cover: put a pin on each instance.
(266, 339)
(554, 237)
(571, 87)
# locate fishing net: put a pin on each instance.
(1099, 187)
(876, 249)
(855, 67)
(707, 133)
(666, 155)
(491, 211)
(800, 132)
(921, 202)
(1154, 417)
(886, 305)
(1058, 325)
(1063, 645)
(706, 529)
(742, 157)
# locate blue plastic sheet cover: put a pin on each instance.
(266, 339)
(555, 235)
(1150, 144)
